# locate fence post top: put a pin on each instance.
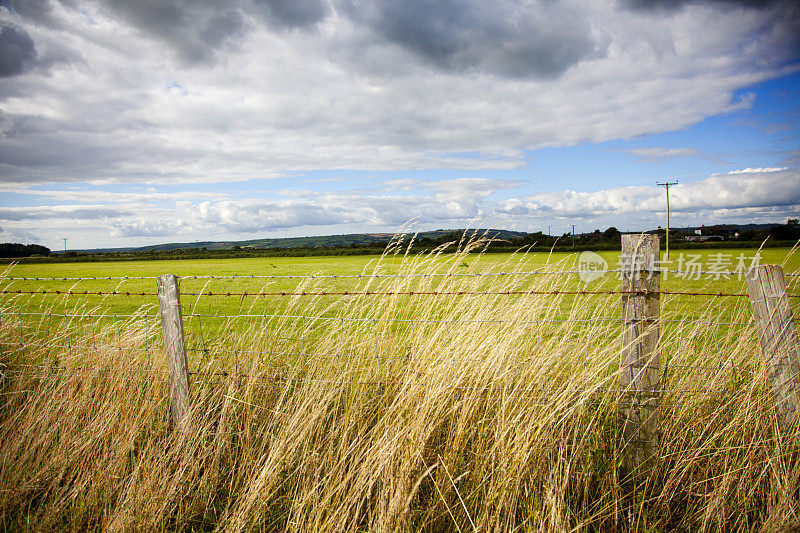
(764, 269)
(167, 282)
(640, 237)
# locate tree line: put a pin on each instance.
(15, 249)
(609, 239)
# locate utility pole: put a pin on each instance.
(65, 243)
(573, 235)
(666, 185)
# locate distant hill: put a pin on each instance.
(737, 227)
(324, 241)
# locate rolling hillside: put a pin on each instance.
(360, 239)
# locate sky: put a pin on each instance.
(134, 123)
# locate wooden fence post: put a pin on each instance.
(777, 332)
(640, 375)
(169, 301)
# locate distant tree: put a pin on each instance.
(787, 232)
(15, 249)
(611, 233)
(35, 249)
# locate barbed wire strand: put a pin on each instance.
(379, 319)
(81, 315)
(315, 276)
(52, 375)
(70, 346)
(554, 292)
(81, 371)
(312, 355)
(284, 385)
(690, 272)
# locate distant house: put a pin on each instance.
(713, 233)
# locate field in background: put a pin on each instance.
(725, 259)
(400, 411)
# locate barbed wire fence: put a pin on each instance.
(313, 318)
(640, 396)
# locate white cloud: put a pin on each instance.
(24, 236)
(758, 170)
(129, 101)
(778, 189)
(657, 155)
(750, 197)
(458, 202)
(86, 212)
(141, 227)
(94, 197)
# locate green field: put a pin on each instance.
(207, 309)
(485, 410)
(353, 265)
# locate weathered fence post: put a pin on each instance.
(169, 301)
(640, 375)
(772, 313)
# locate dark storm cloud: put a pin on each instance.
(17, 52)
(40, 149)
(542, 39)
(294, 13)
(195, 30)
(325, 99)
(36, 10)
(671, 5)
(198, 29)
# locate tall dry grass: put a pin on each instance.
(488, 413)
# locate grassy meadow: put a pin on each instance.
(390, 412)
